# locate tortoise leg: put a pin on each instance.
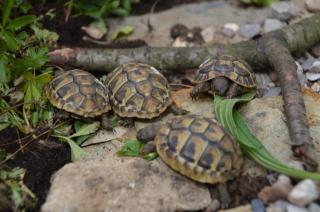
(235, 90)
(200, 88)
(220, 85)
(176, 110)
(225, 199)
(106, 123)
(148, 133)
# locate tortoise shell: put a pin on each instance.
(78, 92)
(138, 90)
(234, 68)
(199, 148)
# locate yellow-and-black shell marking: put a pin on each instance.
(235, 69)
(199, 148)
(79, 92)
(138, 90)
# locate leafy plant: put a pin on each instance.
(22, 60)
(20, 195)
(133, 148)
(98, 10)
(259, 2)
(82, 131)
(232, 120)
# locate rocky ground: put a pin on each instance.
(106, 182)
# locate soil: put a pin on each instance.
(40, 159)
(70, 33)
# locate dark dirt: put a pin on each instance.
(40, 159)
(70, 33)
(246, 188)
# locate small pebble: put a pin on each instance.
(293, 208)
(274, 91)
(302, 77)
(179, 42)
(314, 207)
(257, 205)
(249, 30)
(278, 206)
(307, 63)
(230, 29)
(279, 190)
(272, 24)
(304, 193)
(312, 5)
(314, 73)
(208, 34)
(283, 10)
(316, 87)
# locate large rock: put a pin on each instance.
(123, 184)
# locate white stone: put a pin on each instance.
(312, 5)
(272, 24)
(314, 207)
(284, 10)
(316, 87)
(93, 31)
(249, 30)
(208, 34)
(303, 193)
(314, 73)
(293, 208)
(179, 42)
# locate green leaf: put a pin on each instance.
(81, 139)
(3, 72)
(11, 41)
(120, 12)
(20, 22)
(32, 93)
(250, 145)
(124, 31)
(76, 152)
(6, 11)
(126, 5)
(86, 129)
(133, 148)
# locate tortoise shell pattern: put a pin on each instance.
(138, 90)
(200, 149)
(235, 69)
(78, 92)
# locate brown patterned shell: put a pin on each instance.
(79, 92)
(200, 149)
(138, 90)
(235, 69)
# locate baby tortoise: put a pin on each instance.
(139, 90)
(226, 75)
(80, 93)
(197, 147)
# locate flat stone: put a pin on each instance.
(123, 184)
(283, 11)
(272, 24)
(314, 207)
(249, 30)
(204, 14)
(304, 193)
(293, 208)
(230, 29)
(278, 206)
(312, 5)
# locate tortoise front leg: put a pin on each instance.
(200, 88)
(147, 134)
(224, 196)
(220, 85)
(235, 90)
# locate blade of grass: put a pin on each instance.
(251, 146)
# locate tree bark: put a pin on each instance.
(272, 50)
